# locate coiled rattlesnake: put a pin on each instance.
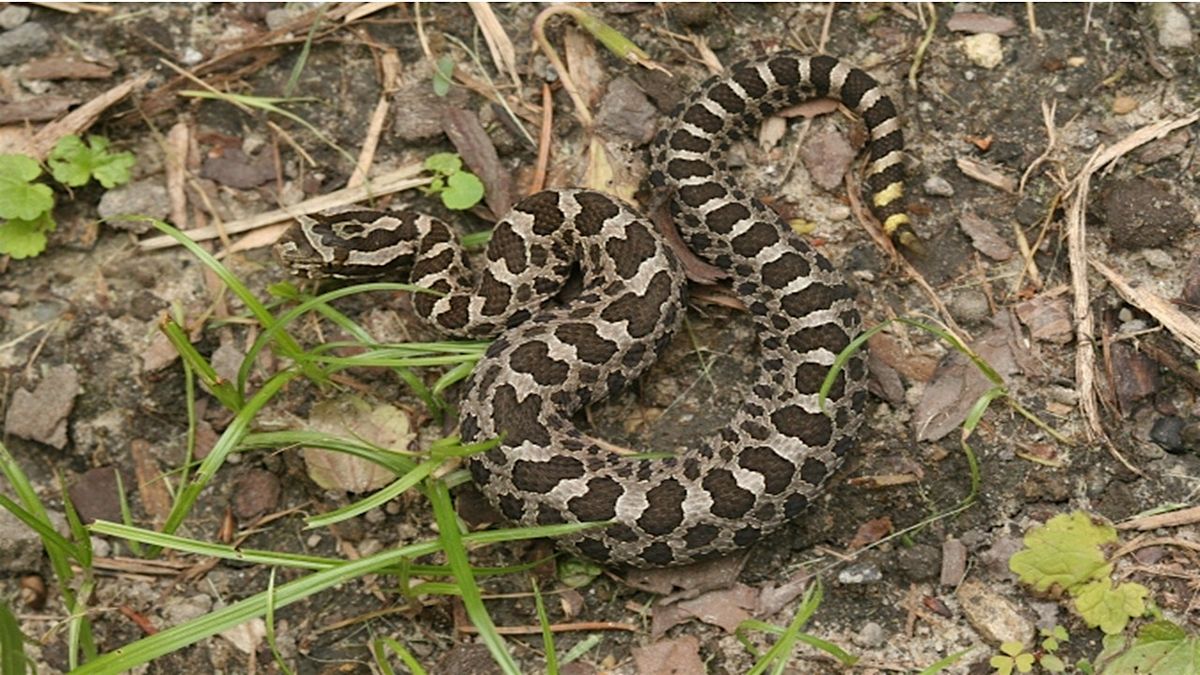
(724, 492)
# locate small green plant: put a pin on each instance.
(26, 206)
(1159, 647)
(74, 162)
(1014, 658)
(443, 76)
(1065, 553)
(459, 189)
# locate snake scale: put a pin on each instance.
(551, 359)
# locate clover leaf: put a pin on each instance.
(19, 198)
(74, 162)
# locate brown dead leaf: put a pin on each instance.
(985, 237)
(772, 598)
(60, 68)
(915, 367)
(688, 580)
(38, 109)
(1134, 375)
(679, 656)
(1048, 317)
(958, 384)
(978, 22)
(725, 608)
(871, 532)
(350, 416)
(479, 154)
(153, 490)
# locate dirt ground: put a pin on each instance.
(995, 192)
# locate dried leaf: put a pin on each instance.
(477, 151)
(349, 416)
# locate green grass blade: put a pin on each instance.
(229, 440)
(547, 634)
(456, 554)
(395, 461)
(273, 329)
(944, 663)
(12, 644)
(51, 539)
(381, 497)
(287, 346)
(223, 391)
(270, 623)
(404, 654)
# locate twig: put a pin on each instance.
(1031, 17)
(919, 55)
(497, 40)
(177, 142)
(1173, 519)
(1085, 356)
(556, 628)
(390, 67)
(77, 120)
(1048, 112)
(400, 179)
(1180, 325)
(824, 39)
(539, 35)
(544, 136)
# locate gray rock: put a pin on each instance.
(626, 112)
(970, 305)
(870, 636)
(20, 547)
(860, 573)
(23, 43)
(278, 18)
(1174, 29)
(13, 16)
(936, 186)
(143, 198)
(41, 415)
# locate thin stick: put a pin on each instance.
(543, 156)
(564, 76)
(390, 66)
(919, 56)
(824, 39)
(1085, 356)
(400, 179)
(1163, 311)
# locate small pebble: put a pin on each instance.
(838, 213)
(24, 42)
(1174, 28)
(13, 16)
(1167, 433)
(970, 305)
(375, 516)
(937, 186)
(313, 541)
(983, 50)
(191, 56)
(860, 573)
(870, 636)
(1159, 258)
